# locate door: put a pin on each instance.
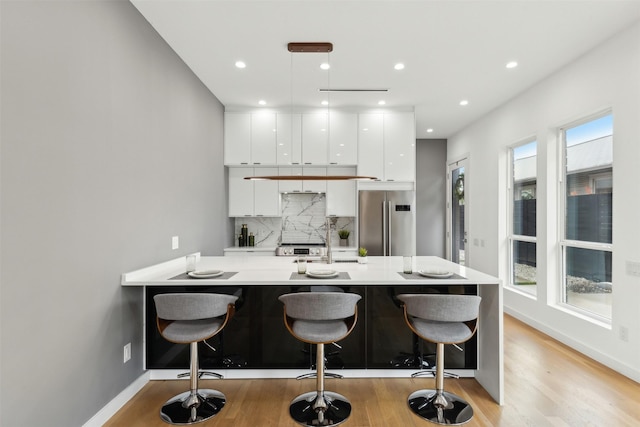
(458, 211)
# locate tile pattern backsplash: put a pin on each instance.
(303, 222)
(303, 218)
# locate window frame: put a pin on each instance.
(563, 242)
(512, 238)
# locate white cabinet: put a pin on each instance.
(387, 146)
(289, 139)
(399, 147)
(371, 145)
(315, 140)
(341, 195)
(253, 198)
(263, 138)
(343, 138)
(312, 186)
(250, 138)
(237, 138)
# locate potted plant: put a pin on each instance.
(362, 256)
(344, 237)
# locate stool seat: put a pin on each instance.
(186, 331)
(320, 330)
(444, 332)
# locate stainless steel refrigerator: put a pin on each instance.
(387, 222)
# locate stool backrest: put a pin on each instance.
(192, 306)
(442, 308)
(320, 305)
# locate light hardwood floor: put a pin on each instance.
(546, 384)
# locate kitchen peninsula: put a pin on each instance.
(256, 344)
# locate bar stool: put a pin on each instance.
(441, 319)
(188, 318)
(320, 318)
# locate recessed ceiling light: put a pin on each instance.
(429, 130)
(262, 102)
(325, 103)
(464, 102)
(240, 64)
(512, 64)
(381, 102)
(399, 66)
(325, 66)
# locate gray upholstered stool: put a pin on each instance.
(320, 318)
(441, 319)
(189, 318)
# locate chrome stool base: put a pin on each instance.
(456, 411)
(337, 409)
(176, 411)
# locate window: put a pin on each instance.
(586, 243)
(522, 229)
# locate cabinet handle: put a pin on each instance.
(308, 163)
(295, 163)
(333, 163)
(244, 163)
(257, 163)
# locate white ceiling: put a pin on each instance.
(452, 50)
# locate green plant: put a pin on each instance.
(344, 234)
(362, 252)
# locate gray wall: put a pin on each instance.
(109, 147)
(431, 191)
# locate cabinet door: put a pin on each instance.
(399, 147)
(343, 138)
(266, 195)
(371, 145)
(289, 139)
(263, 138)
(315, 139)
(289, 186)
(240, 192)
(314, 186)
(341, 195)
(237, 138)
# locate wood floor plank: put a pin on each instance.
(546, 384)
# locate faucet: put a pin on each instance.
(329, 257)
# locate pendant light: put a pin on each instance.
(312, 47)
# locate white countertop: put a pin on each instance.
(270, 270)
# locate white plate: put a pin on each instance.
(435, 274)
(322, 274)
(205, 274)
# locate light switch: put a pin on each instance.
(175, 242)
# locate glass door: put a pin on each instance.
(457, 211)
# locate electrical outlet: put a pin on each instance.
(175, 242)
(127, 352)
(624, 333)
(633, 268)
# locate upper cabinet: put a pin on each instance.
(315, 139)
(237, 138)
(286, 139)
(386, 146)
(343, 138)
(250, 139)
(253, 198)
(263, 138)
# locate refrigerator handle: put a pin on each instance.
(384, 227)
(389, 235)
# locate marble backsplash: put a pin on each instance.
(302, 222)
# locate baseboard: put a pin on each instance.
(616, 365)
(109, 410)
